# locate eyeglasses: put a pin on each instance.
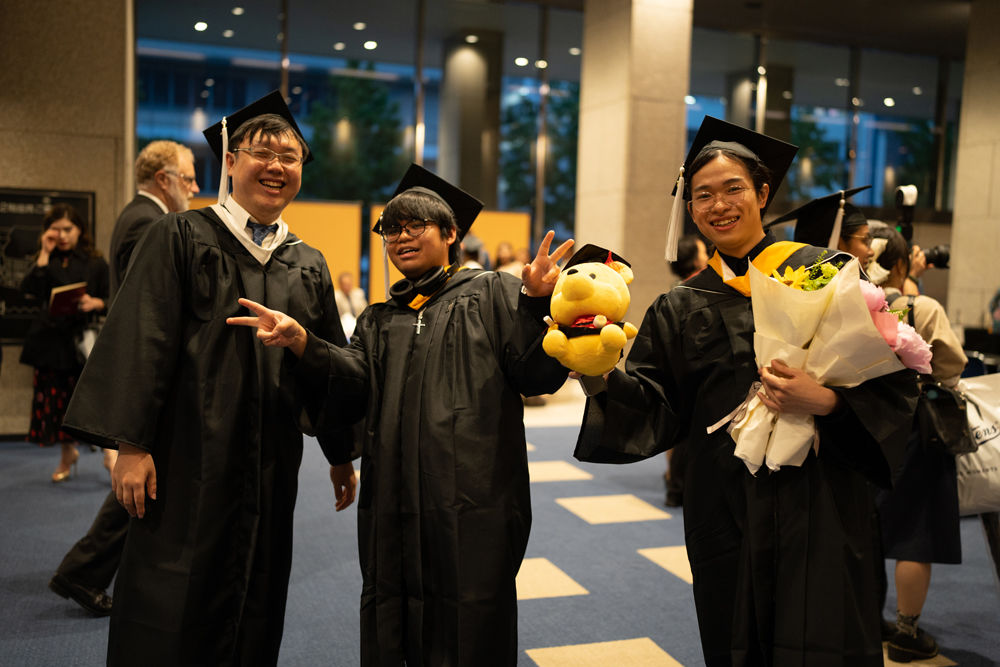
(188, 180)
(265, 155)
(390, 233)
(866, 239)
(734, 194)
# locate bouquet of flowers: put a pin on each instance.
(835, 327)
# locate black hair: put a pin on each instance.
(69, 212)
(415, 205)
(267, 126)
(687, 254)
(759, 172)
(896, 247)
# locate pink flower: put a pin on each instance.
(888, 325)
(911, 349)
(874, 296)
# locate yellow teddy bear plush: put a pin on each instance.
(589, 300)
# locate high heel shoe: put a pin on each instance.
(62, 474)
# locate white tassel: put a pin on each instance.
(224, 179)
(837, 223)
(676, 223)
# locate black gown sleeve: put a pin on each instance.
(517, 330)
(638, 416)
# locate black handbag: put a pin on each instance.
(942, 420)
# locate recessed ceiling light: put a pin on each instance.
(574, 50)
(371, 45)
(917, 90)
(889, 102)
(339, 46)
(786, 94)
(237, 11)
(209, 83)
(204, 94)
(227, 33)
(761, 70)
(297, 90)
(360, 25)
(857, 101)
(541, 64)
(842, 82)
(521, 62)
(471, 39)
(201, 26)
(689, 100)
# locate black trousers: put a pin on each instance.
(94, 560)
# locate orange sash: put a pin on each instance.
(769, 259)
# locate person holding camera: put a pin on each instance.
(919, 516)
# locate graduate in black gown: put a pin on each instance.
(208, 422)
(784, 562)
(444, 509)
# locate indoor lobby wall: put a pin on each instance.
(66, 123)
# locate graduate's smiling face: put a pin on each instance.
(725, 206)
(263, 186)
(416, 255)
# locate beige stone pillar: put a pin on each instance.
(633, 79)
(66, 123)
(975, 234)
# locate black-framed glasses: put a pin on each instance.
(864, 238)
(265, 155)
(188, 180)
(390, 232)
(734, 194)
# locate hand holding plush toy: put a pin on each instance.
(590, 298)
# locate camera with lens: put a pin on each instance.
(938, 256)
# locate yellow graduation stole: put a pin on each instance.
(769, 259)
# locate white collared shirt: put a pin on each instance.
(235, 217)
(159, 202)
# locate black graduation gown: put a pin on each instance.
(784, 563)
(204, 576)
(444, 510)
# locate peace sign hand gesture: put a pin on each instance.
(540, 276)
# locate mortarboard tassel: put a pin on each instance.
(837, 220)
(676, 223)
(224, 179)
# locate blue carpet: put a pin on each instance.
(629, 596)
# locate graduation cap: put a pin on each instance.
(821, 221)
(594, 253)
(463, 206)
(777, 155)
(218, 134)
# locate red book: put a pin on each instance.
(64, 299)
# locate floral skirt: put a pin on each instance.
(52, 390)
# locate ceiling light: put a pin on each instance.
(204, 94)
(360, 25)
(471, 39)
(237, 11)
(761, 70)
(339, 46)
(842, 82)
(857, 101)
(201, 26)
(889, 102)
(297, 90)
(227, 33)
(574, 50)
(371, 45)
(786, 94)
(521, 62)
(209, 83)
(689, 100)
(541, 64)
(917, 90)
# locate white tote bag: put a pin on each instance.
(979, 471)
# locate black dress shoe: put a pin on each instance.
(94, 600)
(904, 648)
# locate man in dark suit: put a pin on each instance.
(164, 174)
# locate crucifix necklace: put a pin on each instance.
(419, 324)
